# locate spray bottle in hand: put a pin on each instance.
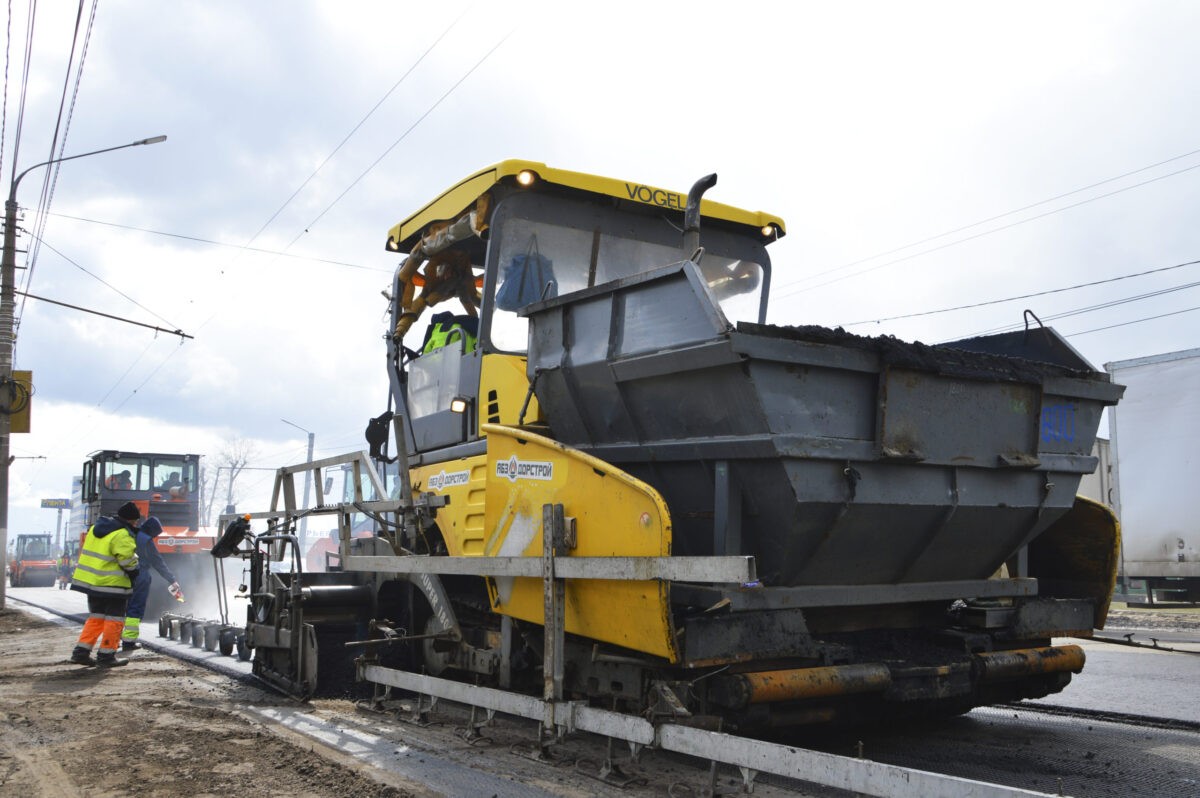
(176, 591)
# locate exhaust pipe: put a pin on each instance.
(691, 215)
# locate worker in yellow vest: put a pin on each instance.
(106, 569)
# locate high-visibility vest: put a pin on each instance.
(104, 562)
(442, 333)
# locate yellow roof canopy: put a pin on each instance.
(459, 197)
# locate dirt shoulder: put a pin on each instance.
(157, 727)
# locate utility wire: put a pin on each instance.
(247, 247)
(403, 136)
(98, 279)
(1000, 216)
(354, 130)
(1022, 296)
(1135, 321)
(29, 28)
(50, 176)
(149, 377)
(4, 109)
(136, 360)
(1091, 308)
(339, 146)
(224, 244)
(41, 218)
(85, 424)
(800, 289)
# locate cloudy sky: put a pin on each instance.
(924, 156)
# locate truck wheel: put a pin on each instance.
(226, 642)
(243, 649)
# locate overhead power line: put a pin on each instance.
(149, 377)
(1022, 296)
(30, 24)
(214, 243)
(794, 289)
(403, 136)
(1099, 306)
(1001, 215)
(100, 402)
(4, 108)
(354, 130)
(1135, 321)
(50, 180)
(247, 246)
(100, 280)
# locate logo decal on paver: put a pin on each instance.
(513, 469)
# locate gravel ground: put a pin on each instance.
(162, 727)
(1181, 618)
(158, 727)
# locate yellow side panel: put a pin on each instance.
(503, 387)
(1077, 556)
(615, 515)
(462, 520)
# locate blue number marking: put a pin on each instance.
(1058, 423)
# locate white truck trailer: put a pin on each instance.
(1154, 435)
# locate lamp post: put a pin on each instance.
(8, 270)
(307, 486)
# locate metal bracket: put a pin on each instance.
(420, 712)
(472, 731)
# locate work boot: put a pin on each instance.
(107, 660)
(82, 656)
(130, 645)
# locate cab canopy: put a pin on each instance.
(464, 195)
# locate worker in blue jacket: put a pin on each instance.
(148, 558)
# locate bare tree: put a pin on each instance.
(232, 459)
(208, 490)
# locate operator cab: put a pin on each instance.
(165, 483)
(518, 233)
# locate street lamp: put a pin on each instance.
(8, 270)
(307, 485)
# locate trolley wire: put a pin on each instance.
(212, 242)
(297, 191)
(1099, 306)
(999, 216)
(109, 285)
(355, 129)
(402, 137)
(792, 288)
(1022, 296)
(1134, 321)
